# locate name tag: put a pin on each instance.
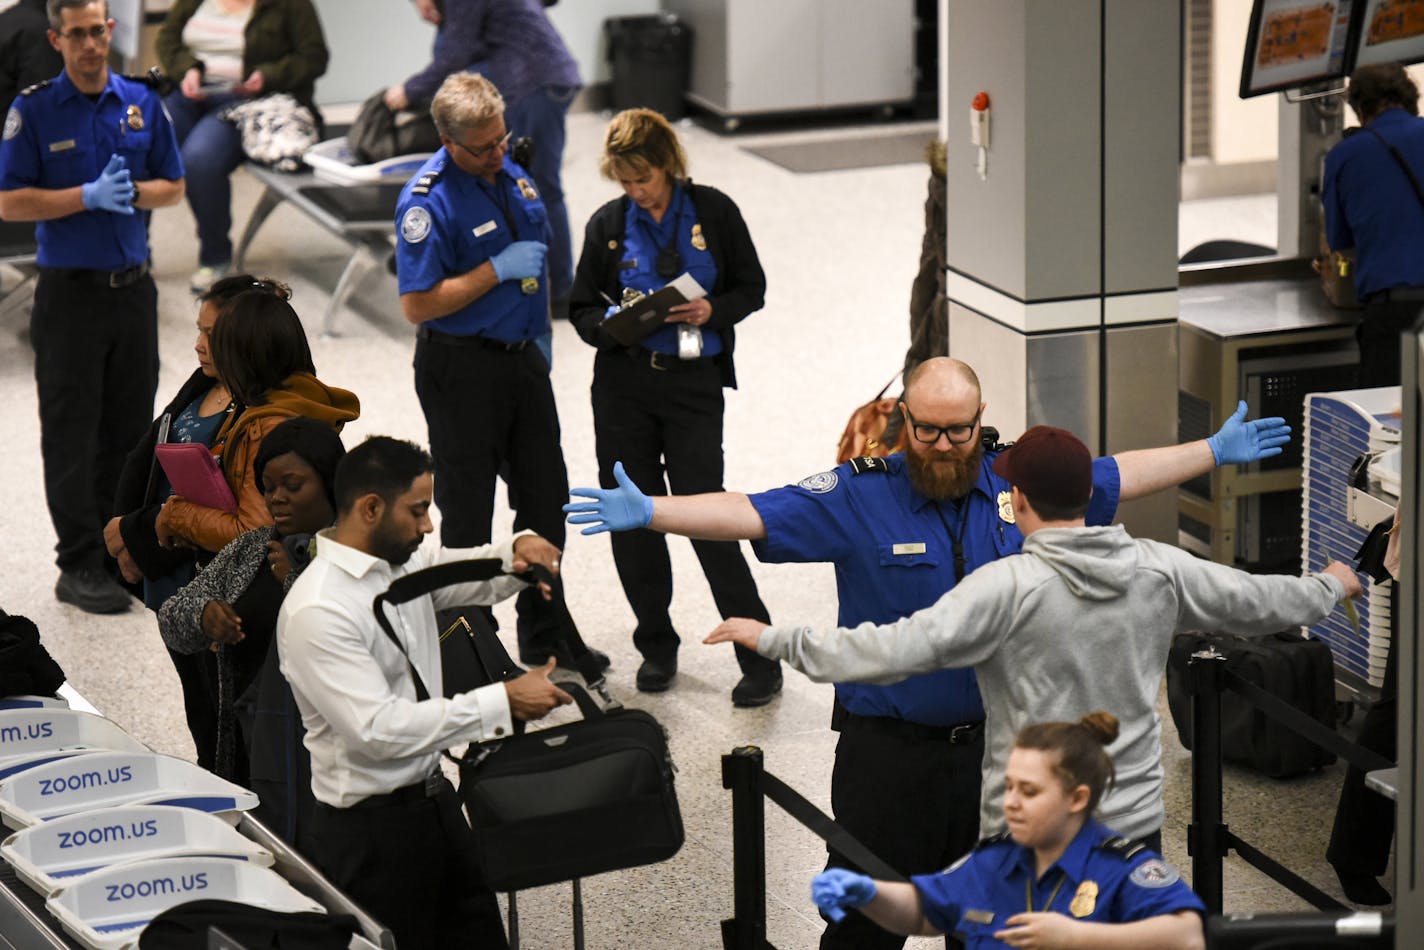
(979, 916)
(485, 228)
(61, 146)
(917, 547)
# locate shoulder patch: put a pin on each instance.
(415, 225)
(13, 123)
(963, 860)
(31, 90)
(1122, 847)
(869, 464)
(1154, 873)
(999, 838)
(152, 79)
(820, 483)
(425, 183)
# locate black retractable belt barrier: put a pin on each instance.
(1300, 931)
(744, 776)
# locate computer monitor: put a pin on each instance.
(1295, 43)
(1391, 31)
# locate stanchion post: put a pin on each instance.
(1206, 836)
(741, 773)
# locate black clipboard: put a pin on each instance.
(640, 318)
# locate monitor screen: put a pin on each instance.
(1294, 43)
(1391, 31)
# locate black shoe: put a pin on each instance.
(92, 590)
(655, 676)
(1363, 889)
(756, 690)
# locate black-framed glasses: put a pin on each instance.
(79, 34)
(956, 434)
(480, 153)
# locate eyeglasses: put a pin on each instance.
(928, 434)
(81, 33)
(482, 151)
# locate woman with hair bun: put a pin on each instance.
(1056, 879)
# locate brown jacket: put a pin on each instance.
(236, 445)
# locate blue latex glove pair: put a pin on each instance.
(1239, 441)
(837, 888)
(520, 260)
(112, 190)
(612, 509)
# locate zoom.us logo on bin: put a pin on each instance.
(29, 732)
(156, 887)
(108, 834)
(92, 778)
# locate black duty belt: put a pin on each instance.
(113, 279)
(474, 340)
(961, 734)
(668, 362)
(428, 787)
(1398, 294)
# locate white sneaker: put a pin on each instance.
(204, 277)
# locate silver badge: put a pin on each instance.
(820, 484)
(415, 226)
(1155, 873)
(12, 123)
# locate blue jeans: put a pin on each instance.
(540, 115)
(211, 150)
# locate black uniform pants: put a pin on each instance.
(910, 795)
(667, 423)
(412, 865)
(96, 371)
(1378, 336)
(488, 408)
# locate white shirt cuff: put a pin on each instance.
(496, 721)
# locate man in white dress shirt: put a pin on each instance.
(388, 828)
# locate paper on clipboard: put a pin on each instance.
(640, 318)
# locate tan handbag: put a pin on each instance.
(874, 430)
(1337, 276)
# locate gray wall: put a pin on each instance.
(375, 43)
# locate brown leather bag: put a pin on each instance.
(875, 429)
(1337, 276)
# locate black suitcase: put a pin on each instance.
(1295, 669)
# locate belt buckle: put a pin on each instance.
(961, 733)
(432, 784)
(116, 279)
(654, 362)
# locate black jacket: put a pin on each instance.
(25, 54)
(740, 288)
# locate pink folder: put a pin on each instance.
(195, 475)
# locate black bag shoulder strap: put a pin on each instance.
(1399, 158)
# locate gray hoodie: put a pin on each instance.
(1081, 620)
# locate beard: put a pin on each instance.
(388, 544)
(944, 476)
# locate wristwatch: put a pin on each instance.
(134, 200)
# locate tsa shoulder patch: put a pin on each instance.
(869, 464)
(1154, 873)
(415, 225)
(821, 483)
(425, 183)
(13, 123)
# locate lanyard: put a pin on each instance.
(956, 538)
(1028, 892)
(501, 200)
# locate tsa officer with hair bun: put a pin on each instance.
(83, 154)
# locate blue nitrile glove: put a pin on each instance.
(612, 509)
(835, 888)
(612, 309)
(520, 260)
(112, 190)
(1239, 441)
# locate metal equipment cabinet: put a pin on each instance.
(750, 56)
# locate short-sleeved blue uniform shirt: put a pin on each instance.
(893, 550)
(449, 222)
(1370, 204)
(58, 137)
(977, 895)
(645, 240)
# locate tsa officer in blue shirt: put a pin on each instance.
(83, 154)
(901, 531)
(472, 237)
(1056, 879)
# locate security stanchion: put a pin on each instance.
(742, 774)
(1206, 835)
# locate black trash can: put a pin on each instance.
(651, 58)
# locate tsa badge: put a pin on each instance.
(135, 118)
(415, 225)
(13, 122)
(1085, 901)
(1154, 873)
(697, 240)
(1006, 507)
(527, 190)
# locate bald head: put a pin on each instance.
(943, 378)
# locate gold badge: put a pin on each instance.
(698, 241)
(527, 190)
(613, 245)
(1085, 901)
(1006, 507)
(135, 115)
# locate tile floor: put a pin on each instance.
(840, 249)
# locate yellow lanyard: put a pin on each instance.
(1028, 892)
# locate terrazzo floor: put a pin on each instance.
(840, 250)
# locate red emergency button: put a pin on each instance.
(981, 102)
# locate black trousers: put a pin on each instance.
(1364, 819)
(96, 371)
(665, 426)
(1378, 336)
(411, 865)
(486, 409)
(911, 799)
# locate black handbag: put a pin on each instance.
(377, 133)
